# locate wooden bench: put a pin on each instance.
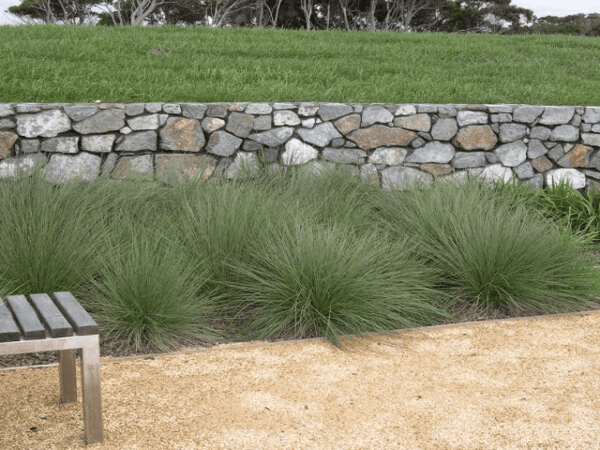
(68, 326)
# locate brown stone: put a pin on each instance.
(418, 122)
(185, 166)
(7, 139)
(437, 169)
(382, 136)
(541, 164)
(579, 156)
(476, 137)
(347, 124)
(181, 134)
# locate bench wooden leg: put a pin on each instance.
(92, 405)
(68, 376)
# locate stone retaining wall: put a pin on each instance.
(394, 145)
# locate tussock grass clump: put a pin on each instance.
(490, 247)
(290, 254)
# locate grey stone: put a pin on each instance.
(433, 152)
(63, 168)
(133, 109)
(251, 146)
(368, 173)
(101, 122)
(308, 109)
(510, 132)
(320, 135)
(45, 124)
(240, 124)
(278, 106)
(10, 166)
(541, 133)
(556, 153)
(217, 111)
(80, 112)
(259, 108)
(595, 161)
(5, 123)
(427, 109)
(344, 156)
(527, 114)
(524, 170)
(109, 164)
(463, 160)
(571, 176)
(501, 118)
(446, 111)
(465, 118)
(308, 123)
(61, 145)
(444, 129)
(98, 144)
(535, 182)
(456, 178)
(588, 138)
(143, 140)
(262, 123)
(374, 114)
(143, 122)
(592, 114)
(331, 111)
(592, 173)
(30, 146)
(135, 166)
(28, 108)
(6, 110)
(223, 144)
(281, 118)
(192, 110)
(593, 129)
(171, 108)
(392, 156)
(496, 173)
(154, 108)
(419, 142)
(405, 110)
(274, 137)
(492, 158)
(337, 142)
(507, 109)
(536, 149)
(243, 161)
(566, 133)
(575, 121)
(297, 152)
(557, 115)
(512, 154)
(211, 124)
(402, 178)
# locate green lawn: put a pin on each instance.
(83, 63)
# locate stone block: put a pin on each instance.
(476, 137)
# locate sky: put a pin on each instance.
(540, 8)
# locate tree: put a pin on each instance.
(76, 12)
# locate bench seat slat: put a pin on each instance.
(77, 316)
(51, 317)
(26, 318)
(8, 328)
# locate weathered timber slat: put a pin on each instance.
(30, 325)
(51, 317)
(77, 316)
(8, 328)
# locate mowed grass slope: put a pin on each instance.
(50, 63)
